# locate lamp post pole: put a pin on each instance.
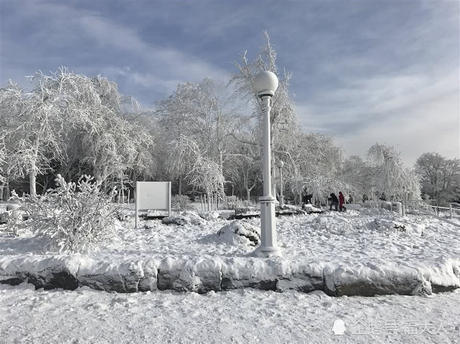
(266, 84)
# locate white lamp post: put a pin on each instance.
(266, 84)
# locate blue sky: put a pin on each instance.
(363, 71)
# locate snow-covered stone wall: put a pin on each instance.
(216, 273)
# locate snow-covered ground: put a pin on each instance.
(241, 316)
(358, 245)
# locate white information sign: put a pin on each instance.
(153, 195)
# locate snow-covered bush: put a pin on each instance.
(180, 202)
(74, 216)
(239, 233)
(232, 202)
(334, 223)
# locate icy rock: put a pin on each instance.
(369, 282)
(253, 273)
(148, 281)
(168, 272)
(239, 232)
(302, 278)
(121, 277)
(208, 274)
(200, 276)
(46, 273)
(422, 289)
(45, 279)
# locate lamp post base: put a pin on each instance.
(266, 252)
(268, 247)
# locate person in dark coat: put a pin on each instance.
(334, 201)
(341, 201)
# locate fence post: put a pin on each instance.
(451, 211)
(169, 199)
(136, 207)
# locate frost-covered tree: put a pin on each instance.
(439, 176)
(389, 176)
(313, 166)
(197, 112)
(101, 139)
(204, 173)
(2, 161)
(32, 128)
(72, 124)
(355, 174)
(283, 119)
(284, 126)
(244, 169)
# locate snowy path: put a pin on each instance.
(242, 316)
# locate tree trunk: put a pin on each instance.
(122, 191)
(33, 181)
(33, 170)
(7, 196)
(180, 186)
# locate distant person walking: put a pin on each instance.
(341, 201)
(334, 201)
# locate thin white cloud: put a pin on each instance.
(431, 125)
(172, 63)
(161, 66)
(416, 113)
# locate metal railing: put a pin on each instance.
(451, 211)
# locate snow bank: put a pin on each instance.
(359, 252)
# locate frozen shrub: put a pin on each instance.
(239, 232)
(14, 215)
(180, 202)
(234, 203)
(74, 216)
